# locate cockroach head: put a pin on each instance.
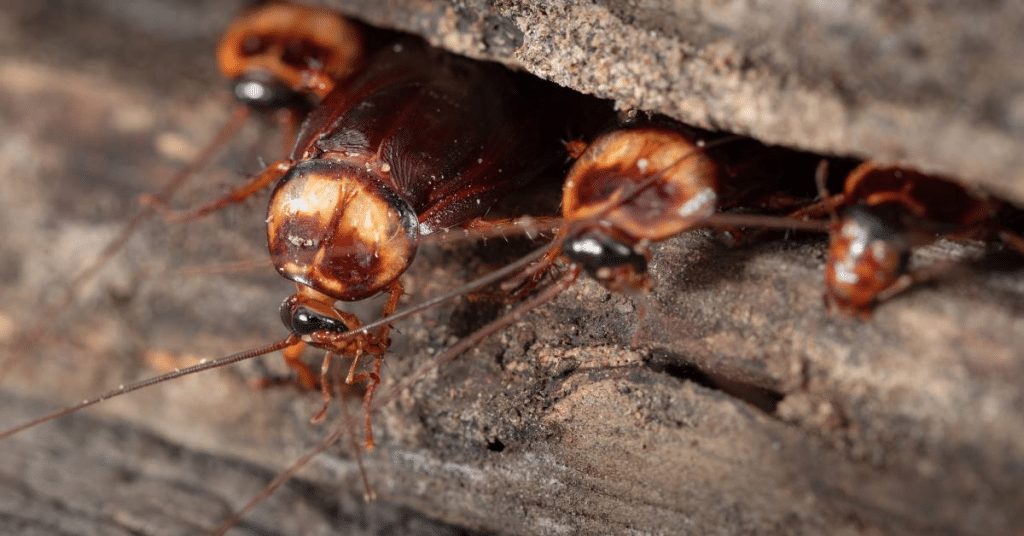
(614, 263)
(303, 317)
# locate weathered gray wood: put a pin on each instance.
(935, 85)
(909, 423)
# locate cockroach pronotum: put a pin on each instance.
(886, 211)
(691, 181)
(645, 182)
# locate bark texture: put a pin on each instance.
(745, 407)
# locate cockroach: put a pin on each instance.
(642, 183)
(279, 54)
(884, 212)
(646, 182)
(280, 59)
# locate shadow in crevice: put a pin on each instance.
(702, 261)
(761, 398)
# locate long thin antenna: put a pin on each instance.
(347, 425)
(474, 338)
(291, 340)
(279, 480)
(45, 320)
(124, 389)
(766, 221)
(474, 285)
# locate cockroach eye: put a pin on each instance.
(594, 251)
(262, 92)
(302, 320)
(873, 224)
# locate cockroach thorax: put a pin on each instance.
(335, 227)
(283, 48)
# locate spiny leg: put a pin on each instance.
(378, 360)
(267, 177)
(528, 279)
(325, 388)
(307, 378)
(381, 343)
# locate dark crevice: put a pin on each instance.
(761, 398)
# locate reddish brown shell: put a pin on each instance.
(926, 198)
(890, 209)
(423, 141)
(332, 226)
(626, 157)
(865, 258)
(292, 42)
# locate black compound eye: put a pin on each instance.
(877, 223)
(264, 93)
(880, 228)
(594, 251)
(304, 321)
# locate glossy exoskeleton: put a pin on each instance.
(613, 246)
(278, 53)
(647, 182)
(884, 212)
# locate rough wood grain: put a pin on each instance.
(745, 409)
(934, 84)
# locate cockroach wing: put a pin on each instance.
(452, 135)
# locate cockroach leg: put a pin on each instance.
(269, 176)
(481, 228)
(371, 388)
(325, 388)
(821, 184)
(39, 328)
(293, 358)
(528, 279)
(288, 121)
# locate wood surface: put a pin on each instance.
(745, 407)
